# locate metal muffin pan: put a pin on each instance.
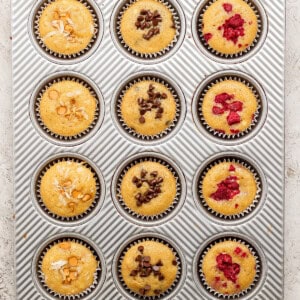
(107, 148)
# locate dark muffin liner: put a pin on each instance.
(174, 125)
(178, 22)
(132, 215)
(253, 248)
(75, 220)
(117, 272)
(258, 117)
(38, 274)
(96, 39)
(45, 131)
(242, 55)
(245, 162)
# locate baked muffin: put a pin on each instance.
(149, 268)
(229, 107)
(68, 188)
(147, 26)
(229, 188)
(229, 26)
(69, 268)
(229, 267)
(67, 108)
(148, 188)
(148, 107)
(66, 26)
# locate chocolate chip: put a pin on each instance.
(141, 248)
(142, 120)
(144, 12)
(160, 110)
(133, 273)
(174, 262)
(140, 18)
(142, 291)
(161, 277)
(138, 258)
(157, 292)
(154, 173)
(164, 95)
(147, 287)
(159, 263)
(158, 116)
(143, 173)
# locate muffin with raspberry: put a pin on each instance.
(229, 188)
(229, 107)
(229, 267)
(229, 26)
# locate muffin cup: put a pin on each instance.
(134, 217)
(60, 58)
(261, 266)
(142, 237)
(132, 134)
(179, 20)
(230, 58)
(249, 212)
(259, 116)
(60, 220)
(38, 277)
(38, 123)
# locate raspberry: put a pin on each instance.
(207, 37)
(227, 189)
(234, 131)
(218, 111)
(232, 168)
(227, 7)
(233, 28)
(236, 106)
(233, 118)
(224, 264)
(237, 250)
(222, 98)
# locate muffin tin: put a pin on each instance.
(105, 67)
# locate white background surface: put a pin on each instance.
(292, 207)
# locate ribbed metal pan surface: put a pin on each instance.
(108, 67)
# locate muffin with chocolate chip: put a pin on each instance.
(148, 107)
(147, 26)
(149, 268)
(229, 26)
(67, 108)
(229, 188)
(68, 188)
(66, 26)
(148, 188)
(229, 107)
(229, 267)
(69, 268)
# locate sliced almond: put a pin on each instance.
(69, 28)
(86, 197)
(67, 183)
(73, 261)
(66, 271)
(75, 194)
(65, 245)
(73, 275)
(61, 110)
(72, 205)
(53, 95)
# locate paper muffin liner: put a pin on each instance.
(36, 34)
(74, 219)
(130, 131)
(153, 219)
(98, 117)
(147, 56)
(254, 252)
(246, 164)
(172, 290)
(84, 294)
(260, 36)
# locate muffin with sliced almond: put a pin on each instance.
(69, 268)
(68, 188)
(67, 108)
(66, 27)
